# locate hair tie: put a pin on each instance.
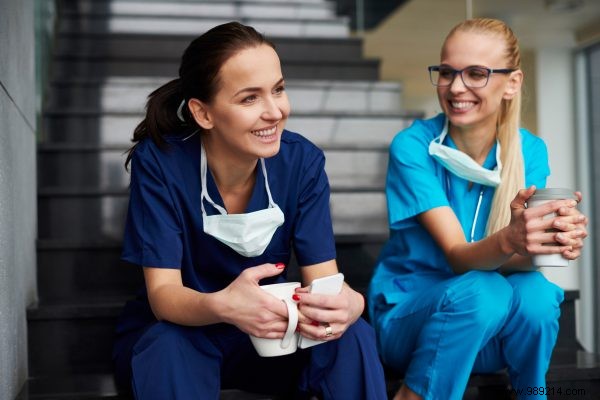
(180, 111)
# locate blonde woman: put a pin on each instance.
(454, 291)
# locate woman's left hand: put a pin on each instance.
(321, 313)
(573, 229)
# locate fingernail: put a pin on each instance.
(315, 323)
(573, 203)
(295, 297)
(558, 224)
(560, 236)
(280, 265)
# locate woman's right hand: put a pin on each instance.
(528, 233)
(244, 304)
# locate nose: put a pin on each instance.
(457, 84)
(273, 109)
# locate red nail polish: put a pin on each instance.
(298, 328)
(295, 297)
(315, 323)
(280, 265)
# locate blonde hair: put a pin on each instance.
(513, 170)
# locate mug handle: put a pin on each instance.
(292, 323)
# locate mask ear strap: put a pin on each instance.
(264, 170)
(204, 193)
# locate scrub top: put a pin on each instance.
(164, 221)
(411, 260)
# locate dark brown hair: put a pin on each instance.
(198, 79)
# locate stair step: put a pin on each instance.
(62, 170)
(336, 27)
(298, 69)
(171, 47)
(129, 95)
(240, 9)
(92, 216)
(321, 129)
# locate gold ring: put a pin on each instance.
(328, 330)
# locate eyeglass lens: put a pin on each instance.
(473, 77)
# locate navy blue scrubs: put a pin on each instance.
(161, 360)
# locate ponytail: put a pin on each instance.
(161, 116)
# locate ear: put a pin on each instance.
(513, 86)
(200, 113)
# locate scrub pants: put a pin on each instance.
(476, 322)
(170, 361)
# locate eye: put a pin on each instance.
(249, 99)
(446, 73)
(279, 89)
(477, 74)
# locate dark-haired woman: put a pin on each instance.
(212, 152)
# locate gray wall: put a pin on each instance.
(18, 218)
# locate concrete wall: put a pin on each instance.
(18, 218)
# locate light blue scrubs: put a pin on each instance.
(436, 326)
(161, 360)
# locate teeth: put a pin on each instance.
(265, 132)
(462, 104)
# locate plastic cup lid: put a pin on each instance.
(553, 194)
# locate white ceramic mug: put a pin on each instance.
(540, 197)
(289, 343)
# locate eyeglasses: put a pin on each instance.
(472, 77)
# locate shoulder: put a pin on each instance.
(418, 135)
(296, 149)
(531, 144)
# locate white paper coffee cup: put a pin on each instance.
(289, 343)
(540, 197)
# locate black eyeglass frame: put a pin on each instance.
(490, 71)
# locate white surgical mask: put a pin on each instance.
(248, 234)
(460, 164)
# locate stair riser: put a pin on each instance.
(321, 130)
(131, 98)
(105, 168)
(103, 217)
(321, 28)
(70, 69)
(83, 275)
(216, 9)
(70, 346)
(171, 48)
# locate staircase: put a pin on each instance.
(108, 56)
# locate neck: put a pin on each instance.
(231, 174)
(476, 142)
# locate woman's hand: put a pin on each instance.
(317, 311)
(573, 226)
(244, 304)
(528, 233)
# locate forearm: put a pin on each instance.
(185, 306)
(487, 254)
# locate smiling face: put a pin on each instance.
(476, 108)
(245, 119)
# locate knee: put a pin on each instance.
(166, 337)
(487, 296)
(360, 332)
(536, 301)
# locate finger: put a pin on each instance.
(549, 207)
(571, 255)
(579, 196)
(521, 198)
(259, 272)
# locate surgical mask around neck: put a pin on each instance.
(248, 234)
(461, 165)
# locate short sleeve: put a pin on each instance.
(412, 184)
(535, 155)
(152, 231)
(313, 233)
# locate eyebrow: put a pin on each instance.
(256, 89)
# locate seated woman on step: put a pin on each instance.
(213, 144)
(454, 291)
